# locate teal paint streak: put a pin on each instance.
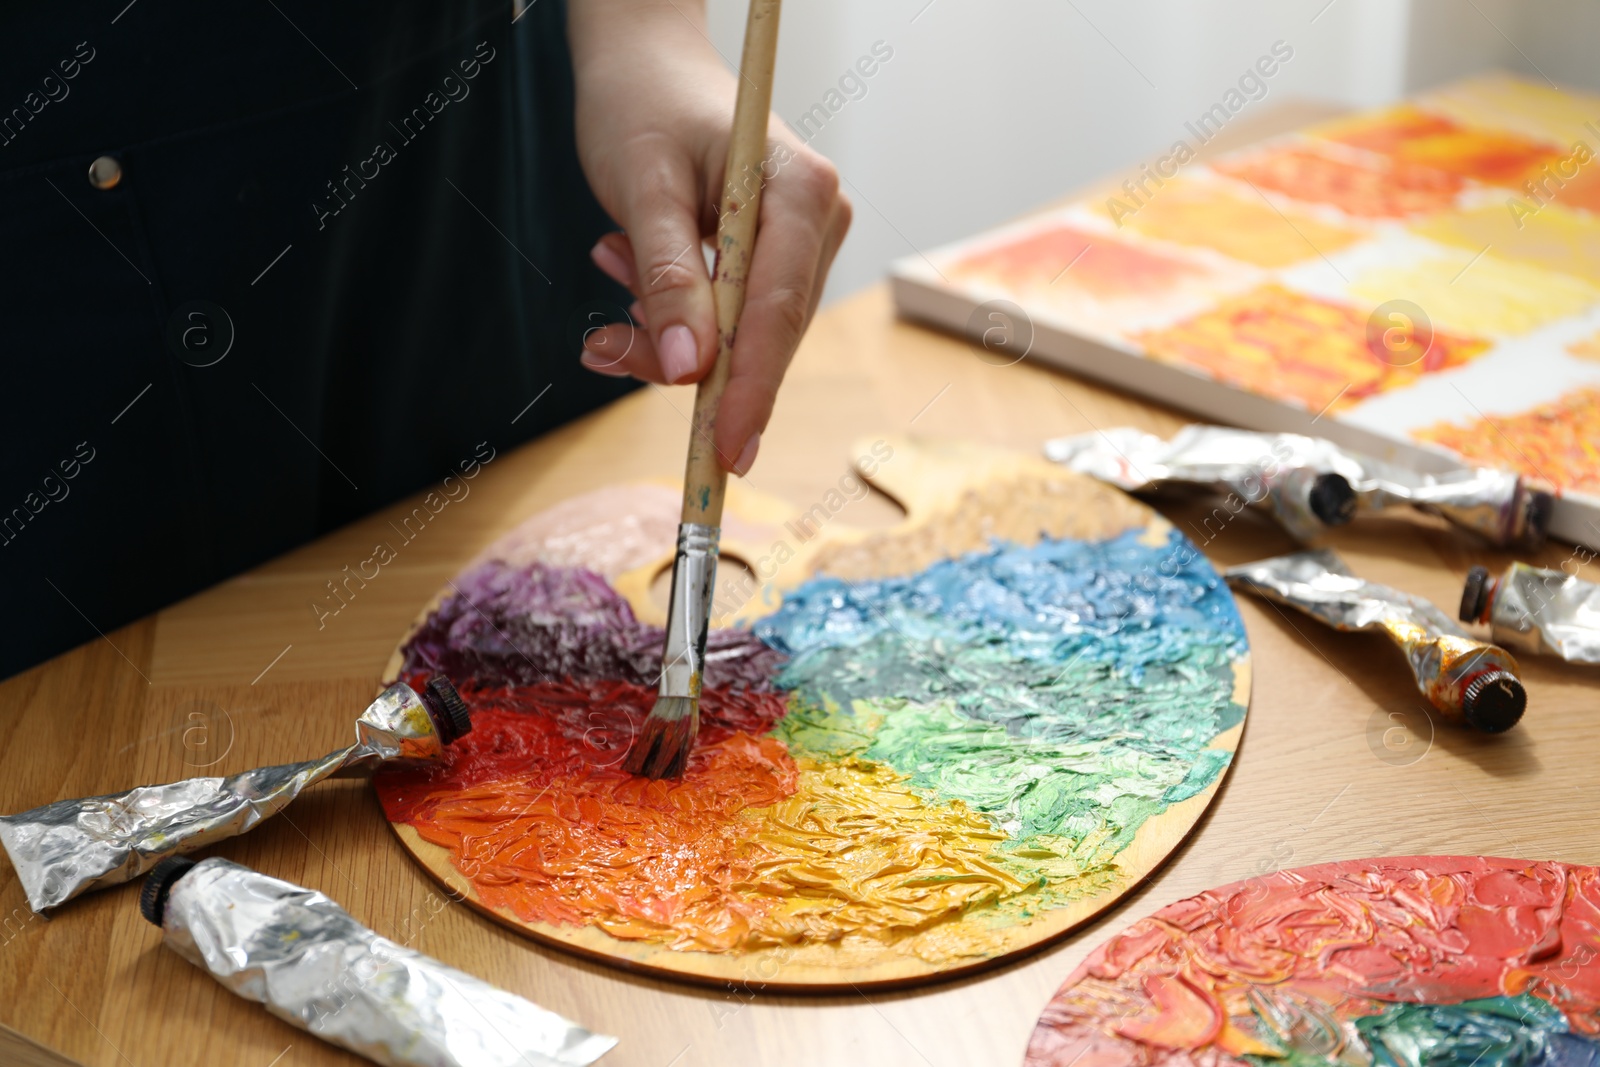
(1521, 1031)
(1068, 689)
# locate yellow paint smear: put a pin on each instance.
(1554, 238)
(856, 853)
(1490, 296)
(1242, 227)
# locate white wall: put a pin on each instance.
(991, 107)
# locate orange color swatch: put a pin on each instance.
(1582, 191)
(1103, 267)
(1556, 444)
(1411, 135)
(1374, 187)
(1282, 344)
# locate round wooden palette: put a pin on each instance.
(1430, 959)
(923, 748)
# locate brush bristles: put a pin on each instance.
(662, 748)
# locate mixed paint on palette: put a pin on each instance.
(1421, 961)
(1463, 226)
(907, 754)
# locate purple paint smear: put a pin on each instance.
(510, 626)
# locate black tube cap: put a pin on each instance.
(1475, 594)
(153, 895)
(448, 710)
(1494, 701)
(1332, 500)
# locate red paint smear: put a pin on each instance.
(1352, 935)
(536, 810)
(1107, 269)
(559, 730)
(1373, 188)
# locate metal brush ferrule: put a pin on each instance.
(694, 575)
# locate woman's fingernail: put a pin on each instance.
(602, 362)
(678, 353)
(747, 455)
(615, 265)
(636, 315)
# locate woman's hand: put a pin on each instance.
(655, 109)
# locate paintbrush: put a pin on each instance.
(662, 748)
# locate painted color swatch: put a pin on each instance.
(1478, 294)
(1476, 203)
(1065, 256)
(1421, 961)
(1555, 444)
(1554, 238)
(1289, 345)
(1411, 135)
(1364, 186)
(1244, 226)
(978, 738)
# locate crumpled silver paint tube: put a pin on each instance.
(74, 846)
(1497, 505)
(1470, 681)
(1535, 610)
(316, 968)
(1282, 476)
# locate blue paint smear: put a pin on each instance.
(1086, 678)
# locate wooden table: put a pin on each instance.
(1338, 759)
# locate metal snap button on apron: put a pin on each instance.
(105, 173)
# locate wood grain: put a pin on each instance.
(939, 486)
(1313, 781)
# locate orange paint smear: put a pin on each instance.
(1102, 267)
(1280, 343)
(1554, 444)
(1411, 135)
(536, 810)
(663, 860)
(1372, 188)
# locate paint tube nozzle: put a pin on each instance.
(446, 708)
(1494, 701)
(1475, 594)
(1332, 499)
(157, 884)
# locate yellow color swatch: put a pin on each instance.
(1491, 296)
(1244, 227)
(1554, 238)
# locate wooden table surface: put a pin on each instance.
(1338, 760)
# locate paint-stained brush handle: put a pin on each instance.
(704, 479)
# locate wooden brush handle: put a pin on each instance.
(704, 480)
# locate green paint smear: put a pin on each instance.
(1067, 691)
(1521, 1031)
